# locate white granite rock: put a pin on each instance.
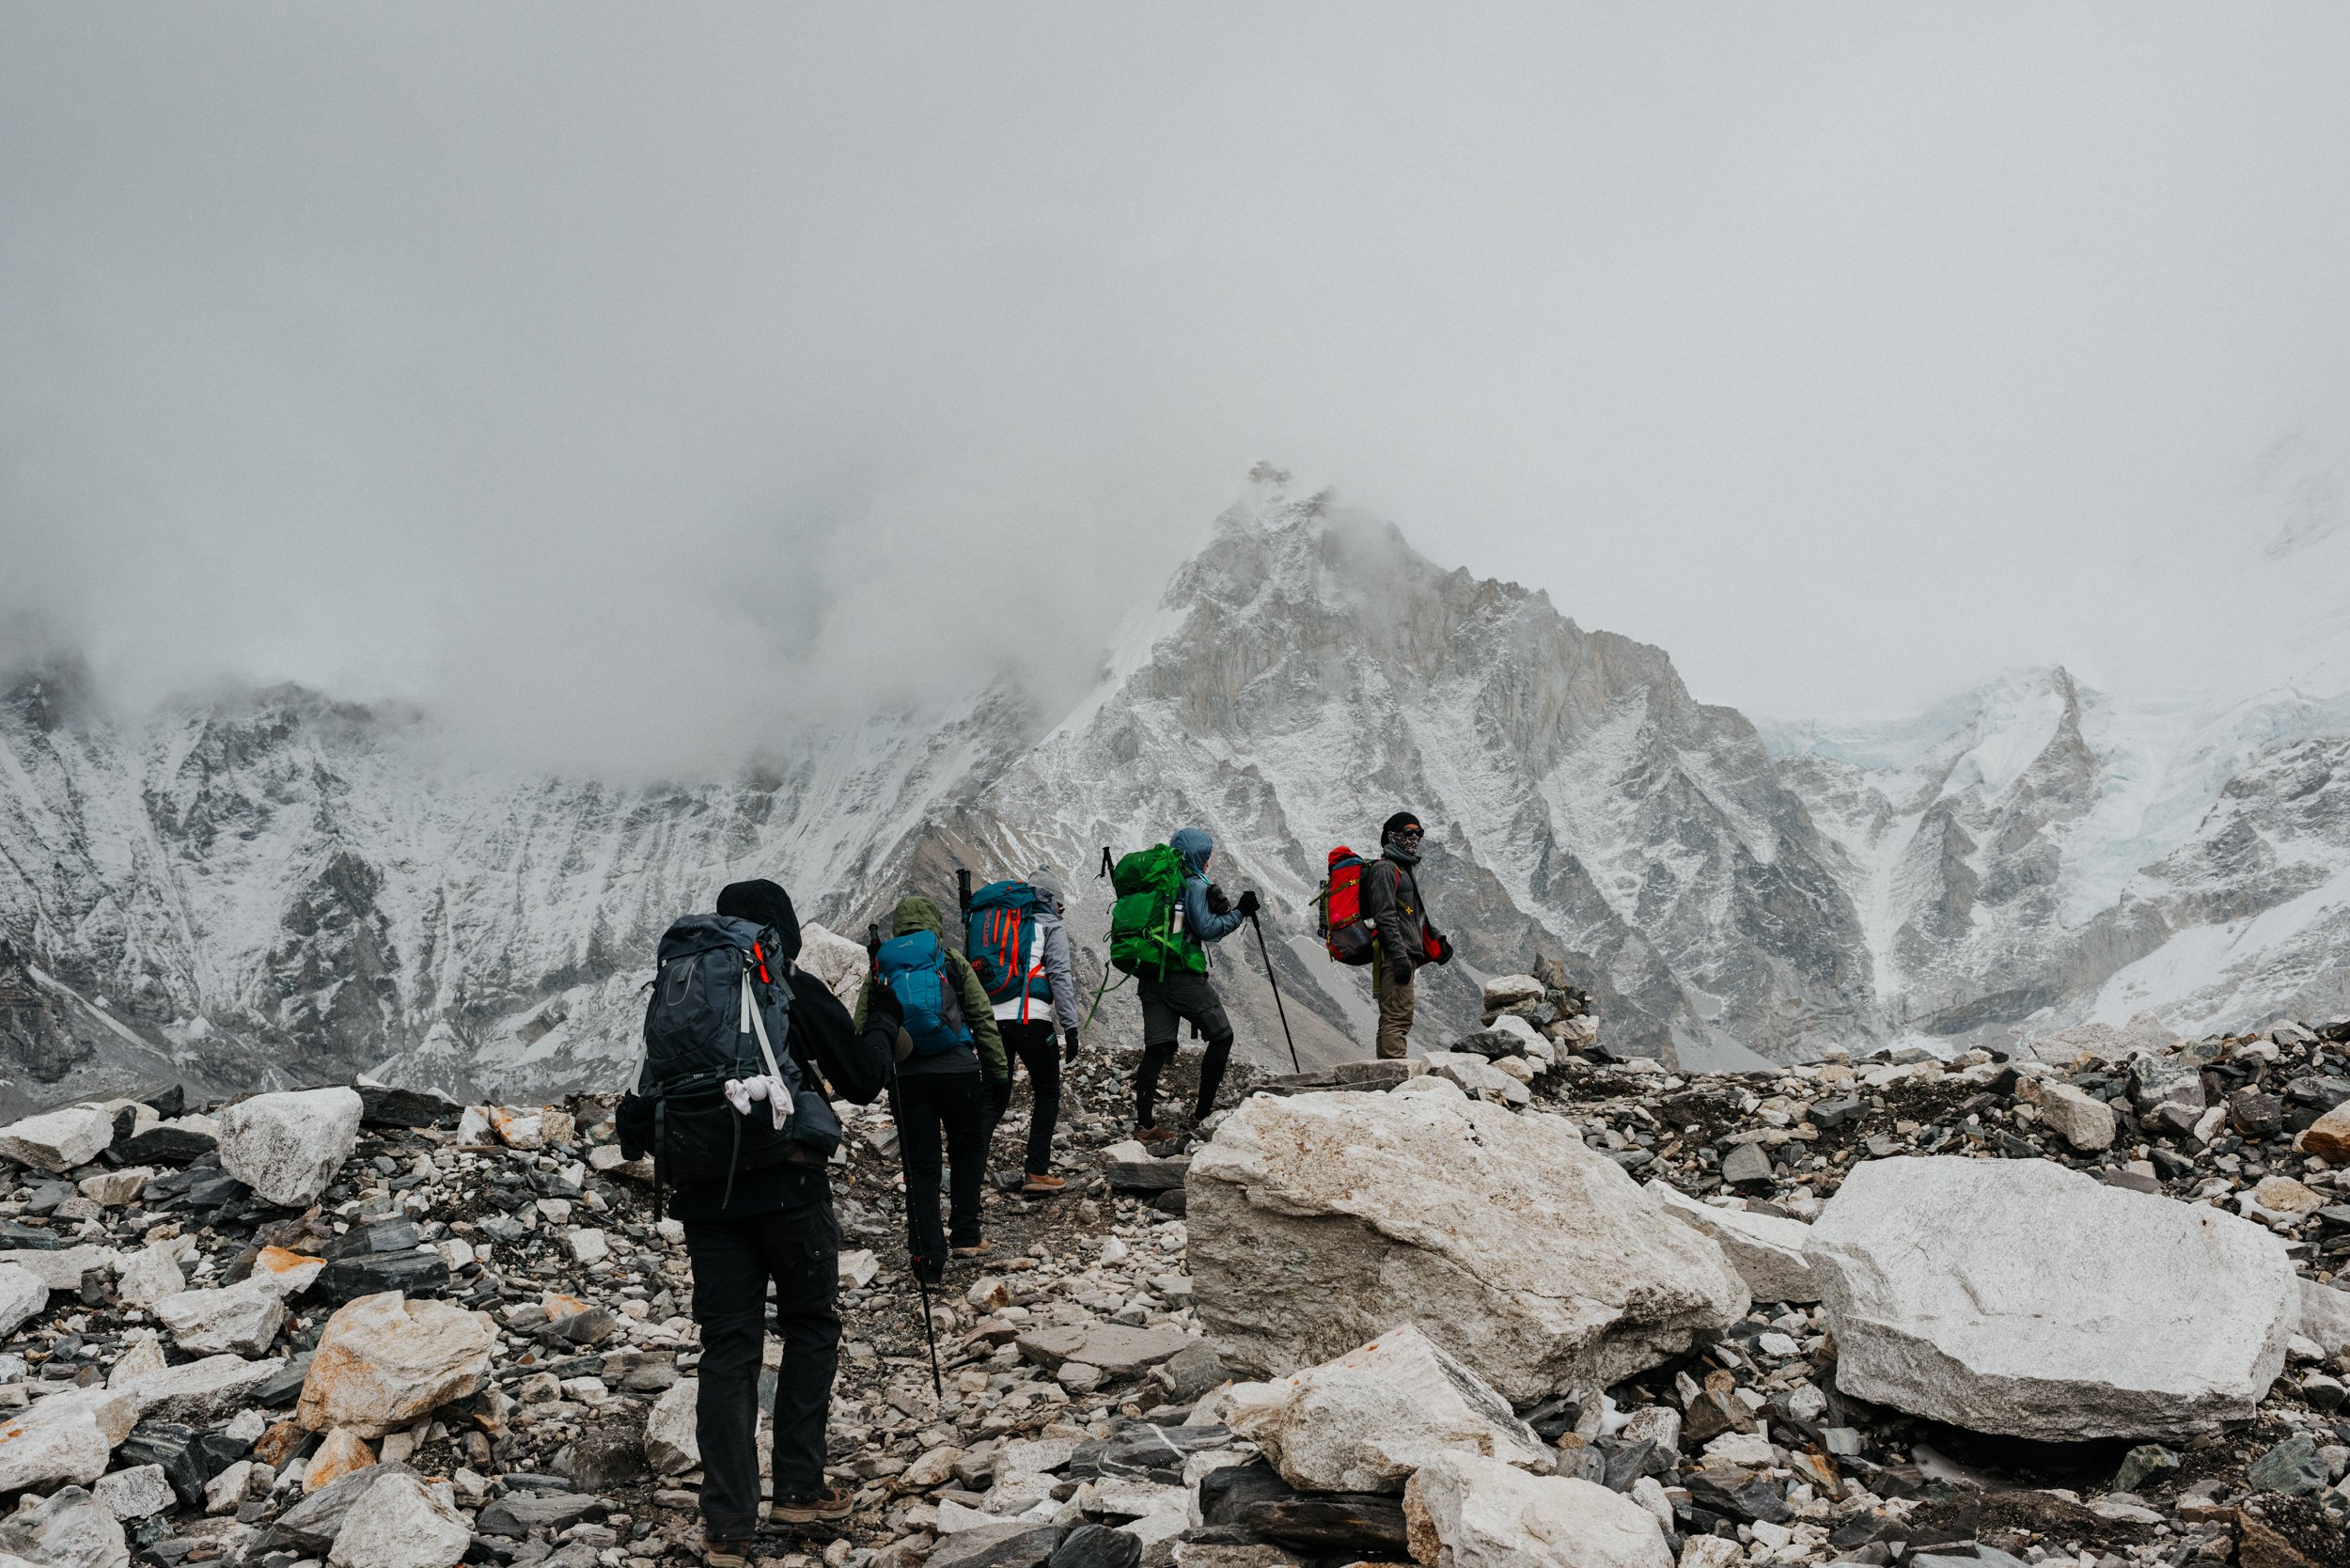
(64, 1437)
(242, 1319)
(2078, 1117)
(61, 1268)
(385, 1361)
(2020, 1297)
(1319, 1221)
(153, 1272)
(70, 1528)
(1365, 1422)
(58, 1140)
(22, 1298)
(287, 1147)
(402, 1521)
(200, 1391)
(1767, 1250)
(1465, 1511)
(672, 1444)
(137, 1492)
(2325, 1317)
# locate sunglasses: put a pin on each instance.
(1411, 833)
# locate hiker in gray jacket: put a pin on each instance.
(1043, 1002)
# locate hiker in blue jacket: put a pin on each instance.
(1183, 996)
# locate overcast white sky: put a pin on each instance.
(505, 356)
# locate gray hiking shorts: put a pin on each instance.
(1177, 1000)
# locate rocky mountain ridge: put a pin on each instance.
(267, 888)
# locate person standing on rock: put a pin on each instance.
(774, 1224)
(1186, 995)
(1407, 939)
(1045, 1001)
(941, 1086)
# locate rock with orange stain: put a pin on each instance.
(517, 1129)
(385, 1361)
(343, 1452)
(559, 1306)
(287, 1273)
(273, 1447)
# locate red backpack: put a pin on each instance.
(1339, 918)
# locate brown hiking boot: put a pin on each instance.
(1157, 1139)
(1039, 1183)
(817, 1505)
(725, 1553)
(978, 1249)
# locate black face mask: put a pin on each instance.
(1405, 851)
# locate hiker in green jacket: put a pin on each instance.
(941, 1088)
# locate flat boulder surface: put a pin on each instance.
(1464, 1512)
(1320, 1221)
(287, 1146)
(2019, 1298)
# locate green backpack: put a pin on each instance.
(1147, 936)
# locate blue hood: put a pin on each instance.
(1194, 847)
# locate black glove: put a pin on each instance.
(1444, 948)
(1248, 905)
(998, 1099)
(1071, 1053)
(1218, 903)
(881, 1002)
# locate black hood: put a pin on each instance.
(764, 903)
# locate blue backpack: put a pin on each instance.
(914, 967)
(997, 932)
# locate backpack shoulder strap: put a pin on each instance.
(755, 1017)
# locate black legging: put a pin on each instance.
(1036, 1044)
(1156, 1058)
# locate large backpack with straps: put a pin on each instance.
(999, 931)
(1339, 910)
(720, 1009)
(913, 966)
(1147, 935)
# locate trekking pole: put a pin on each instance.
(1277, 1008)
(929, 1333)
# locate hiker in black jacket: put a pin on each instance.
(777, 1226)
(1408, 938)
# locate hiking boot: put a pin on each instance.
(1155, 1138)
(813, 1505)
(976, 1249)
(725, 1553)
(1038, 1183)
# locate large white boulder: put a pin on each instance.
(200, 1391)
(402, 1521)
(2325, 1317)
(1464, 1512)
(1367, 1421)
(58, 1140)
(64, 1437)
(2017, 1296)
(1319, 1221)
(287, 1146)
(385, 1361)
(1767, 1250)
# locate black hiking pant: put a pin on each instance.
(1036, 1044)
(927, 1105)
(798, 1247)
(1167, 1006)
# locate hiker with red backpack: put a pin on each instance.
(1172, 977)
(1013, 936)
(941, 1088)
(747, 1176)
(1405, 938)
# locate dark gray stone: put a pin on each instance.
(1195, 1369)
(361, 1241)
(1830, 1114)
(2291, 1468)
(1740, 1494)
(1360, 1524)
(1015, 1544)
(1746, 1165)
(186, 1464)
(284, 1386)
(1097, 1546)
(1226, 1495)
(410, 1273)
(1147, 1175)
(165, 1146)
(516, 1517)
(406, 1107)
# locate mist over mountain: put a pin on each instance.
(271, 887)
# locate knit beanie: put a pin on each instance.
(764, 903)
(1396, 825)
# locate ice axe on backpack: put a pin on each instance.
(1277, 1008)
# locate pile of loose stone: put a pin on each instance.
(1512, 1303)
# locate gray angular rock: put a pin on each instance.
(135, 1493)
(2020, 1297)
(2078, 1117)
(672, 1444)
(1767, 1250)
(70, 1528)
(1319, 1221)
(1116, 1351)
(312, 1524)
(1746, 1165)
(22, 1298)
(1014, 1543)
(242, 1319)
(402, 1522)
(201, 1390)
(287, 1147)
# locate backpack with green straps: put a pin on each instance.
(1147, 935)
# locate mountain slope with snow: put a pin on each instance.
(269, 887)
